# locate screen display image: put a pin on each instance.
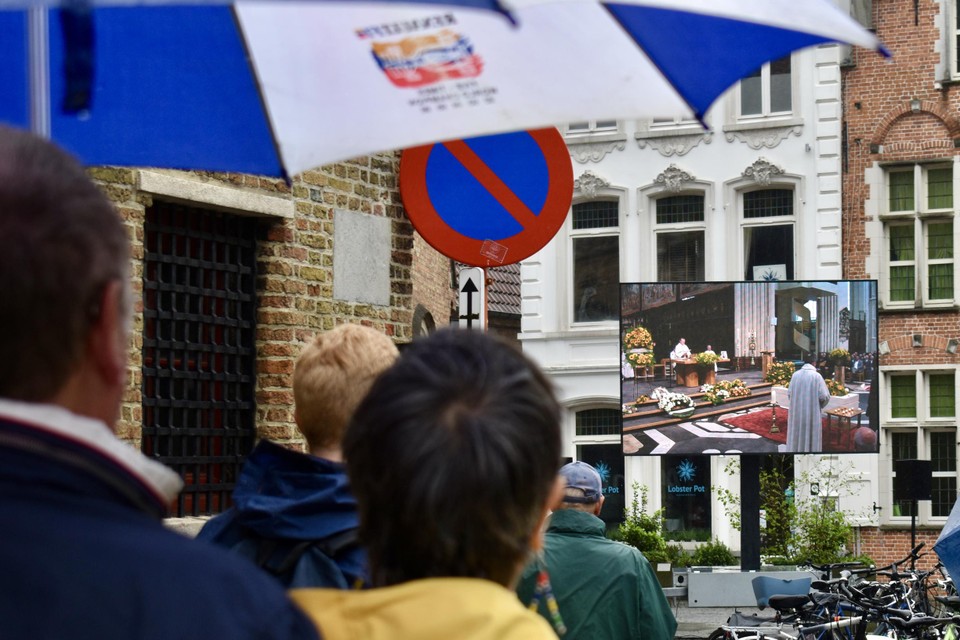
(717, 368)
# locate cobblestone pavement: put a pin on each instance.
(700, 622)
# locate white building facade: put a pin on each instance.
(759, 191)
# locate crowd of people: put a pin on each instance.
(431, 485)
(861, 366)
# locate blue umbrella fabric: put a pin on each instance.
(947, 545)
(276, 88)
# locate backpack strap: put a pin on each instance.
(282, 564)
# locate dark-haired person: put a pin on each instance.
(453, 459)
(808, 395)
(84, 553)
(605, 590)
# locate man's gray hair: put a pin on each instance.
(61, 244)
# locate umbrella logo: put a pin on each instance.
(421, 60)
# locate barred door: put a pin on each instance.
(199, 315)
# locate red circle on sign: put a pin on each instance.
(538, 229)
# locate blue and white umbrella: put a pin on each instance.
(947, 545)
(276, 88)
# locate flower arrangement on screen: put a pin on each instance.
(640, 360)
(638, 338)
(836, 387)
(706, 357)
(724, 390)
(779, 373)
(670, 401)
(839, 356)
(636, 405)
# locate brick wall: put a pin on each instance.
(884, 125)
(886, 546)
(295, 266)
(432, 288)
(893, 111)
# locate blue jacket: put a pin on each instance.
(292, 497)
(85, 555)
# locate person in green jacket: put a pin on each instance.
(604, 589)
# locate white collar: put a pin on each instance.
(161, 481)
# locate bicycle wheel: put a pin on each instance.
(719, 634)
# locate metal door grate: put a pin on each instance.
(199, 313)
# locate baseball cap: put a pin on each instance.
(580, 475)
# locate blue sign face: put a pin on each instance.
(463, 193)
(490, 200)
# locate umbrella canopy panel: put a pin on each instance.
(172, 87)
(280, 87)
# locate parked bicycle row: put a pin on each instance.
(850, 601)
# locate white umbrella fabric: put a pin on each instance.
(276, 88)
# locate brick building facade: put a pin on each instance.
(216, 334)
(900, 158)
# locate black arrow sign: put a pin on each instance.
(470, 288)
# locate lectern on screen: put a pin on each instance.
(706, 367)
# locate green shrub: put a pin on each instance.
(641, 529)
(714, 554)
(687, 535)
(678, 557)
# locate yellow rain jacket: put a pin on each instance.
(435, 608)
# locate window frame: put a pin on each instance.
(920, 217)
(766, 95)
(599, 232)
(951, 27)
(919, 429)
(743, 223)
(667, 228)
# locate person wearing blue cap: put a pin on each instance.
(601, 588)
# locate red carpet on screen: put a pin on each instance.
(760, 422)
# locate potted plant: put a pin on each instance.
(839, 357)
(638, 338)
(706, 358)
(640, 360)
(779, 374)
(724, 390)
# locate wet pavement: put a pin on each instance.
(700, 622)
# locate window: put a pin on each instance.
(598, 444)
(199, 365)
(943, 458)
(768, 91)
(768, 234)
(596, 261)
(680, 238)
(919, 236)
(903, 446)
(921, 425)
(593, 126)
(685, 487)
(953, 37)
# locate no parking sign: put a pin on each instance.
(491, 200)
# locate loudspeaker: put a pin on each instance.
(913, 480)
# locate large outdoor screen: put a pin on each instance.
(722, 368)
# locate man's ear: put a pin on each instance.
(599, 507)
(108, 337)
(554, 499)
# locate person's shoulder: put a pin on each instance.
(252, 602)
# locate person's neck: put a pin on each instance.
(333, 454)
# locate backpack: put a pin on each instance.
(302, 563)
